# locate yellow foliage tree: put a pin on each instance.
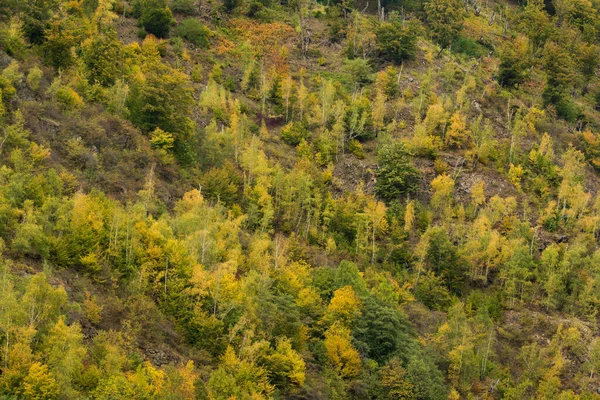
(147, 381)
(342, 355)
(39, 383)
(344, 307)
(64, 354)
(478, 194)
(515, 174)
(571, 193)
(442, 186)
(376, 211)
(457, 133)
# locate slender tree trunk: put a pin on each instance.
(7, 346)
(373, 240)
(400, 72)
(485, 357)
(166, 272)
(323, 104)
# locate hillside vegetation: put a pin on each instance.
(252, 199)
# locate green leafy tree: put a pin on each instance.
(36, 15)
(29, 236)
(588, 61)
(348, 274)
(155, 17)
(64, 355)
(443, 259)
(102, 55)
(559, 68)
(396, 40)
(383, 332)
(445, 19)
(514, 62)
(43, 303)
(12, 38)
(164, 100)
(84, 234)
(535, 22)
(60, 38)
(396, 175)
(426, 378)
(516, 272)
(579, 14)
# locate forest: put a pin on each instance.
(299, 199)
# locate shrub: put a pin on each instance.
(468, 47)
(160, 139)
(356, 148)
(359, 70)
(8, 90)
(293, 134)
(68, 99)
(30, 240)
(196, 74)
(12, 73)
(230, 5)
(194, 31)
(34, 77)
(186, 7)
(178, 46)
(567, 110)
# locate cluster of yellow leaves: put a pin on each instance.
(478, 194)
(571, 191)
(443, 186)
(344, 306)
(457, 133)
(342, 355)
(483, 248)
(515, 174)
(39, 383)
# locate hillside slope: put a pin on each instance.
(304, 200)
